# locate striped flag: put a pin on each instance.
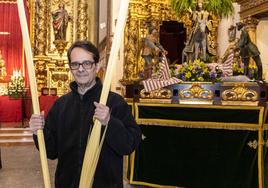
(163, 78)
(227, 65)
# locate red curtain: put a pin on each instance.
(11, 43)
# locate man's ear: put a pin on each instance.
(98, 67)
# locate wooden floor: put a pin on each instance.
(20, 159)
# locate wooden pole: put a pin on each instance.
(33, 87)
(93, 146)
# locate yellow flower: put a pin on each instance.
(188, 75)
(201, 79)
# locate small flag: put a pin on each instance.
(163, 78)
(227, 65)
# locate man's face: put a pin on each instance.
(84, 76)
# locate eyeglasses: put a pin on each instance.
(85, 64)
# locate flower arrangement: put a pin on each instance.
(238, 69)
(197, 71)
(16, 86)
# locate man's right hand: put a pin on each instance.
(37, 122)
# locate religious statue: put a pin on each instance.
(196, 45)
(248, 49)
(150, 51)
(3, 72)
(60, 22)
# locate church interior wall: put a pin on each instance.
(223, 30)
(262, 43)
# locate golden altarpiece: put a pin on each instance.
(50, 57)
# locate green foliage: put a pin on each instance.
(221, 8)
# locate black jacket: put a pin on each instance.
(66, 132)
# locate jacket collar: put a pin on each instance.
(95, 90)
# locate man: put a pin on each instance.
(151, 49)
(248, 49)
(70, 120)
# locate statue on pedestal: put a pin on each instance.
(60, 22)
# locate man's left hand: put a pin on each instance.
(102, 113)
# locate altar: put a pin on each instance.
(200, 146)
(16, 110)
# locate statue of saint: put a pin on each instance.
(60, 22)
(151, 50)
(196, 46)
(248, 49)
(3, 72)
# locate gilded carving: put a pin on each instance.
(253, 144)
(239, 93)
(156, 94)
(82, 20)
(60, 77)
(41, 74)
(40, 28)
(196, 91)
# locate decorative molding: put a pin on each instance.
(252, 7)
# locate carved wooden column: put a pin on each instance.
(40, 28)
(93, 20)
(82, 17)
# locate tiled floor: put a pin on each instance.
(21, 168)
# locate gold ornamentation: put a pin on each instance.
(60, 45)
(41, 74)
(40, 28)
(159, 94)
(253, 144)
(60, 77)
(239, 93)
(196, 91)
(82, 20)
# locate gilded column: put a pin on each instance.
(92, 21)
(82, 17)
(40, 28)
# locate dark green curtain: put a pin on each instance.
(197, 158)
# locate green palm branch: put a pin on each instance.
(221, 8)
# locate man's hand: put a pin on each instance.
(37, 122)
(102, 113)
